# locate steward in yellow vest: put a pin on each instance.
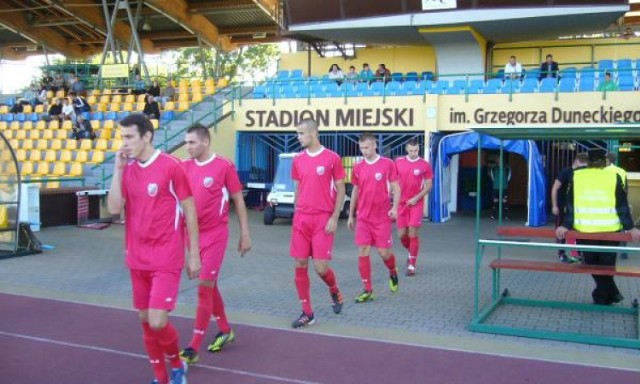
(597, 203)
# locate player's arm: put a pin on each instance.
(243, 220)
(554, 196)
(115, 200)
(428, 184)
(332, 224)
(352, 207)
(295, 193)
(395, 188)
(191, 218)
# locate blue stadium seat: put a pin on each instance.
(510, 86)
(110, 115)
(283, 74)
(33, 117)
(426, 75)
(548, 85)
(569, 72)
(297, 74)
(330, 87)
(495, 83)
(587, 72)
(377, 88)
(441, 85)
(425, 86)
(529, 85)
(410, 87)
(86, 115)
(336, 93)
(396, 76)
(393, 87)
(587, 84)
(459, 84)
(604, 65)
(352, 90)
(624, 67)
(491, 88)
(362, 86)
(98, 115)
(500, 74)
(368, 92)
(626, 83)
(532, 73)
(411, 76)
(122, 114)
(303, 93)
(455, 90)
(567, 84)
(475, 88)
(8, 117)
(259, 92)
(21, 117)
(164, 116)
(476, 83)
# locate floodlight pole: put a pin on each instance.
(134, 33)
(110, 25)
(137, 20)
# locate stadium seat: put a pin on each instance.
(259, 92)
(626, 82)
(92, 100)
(95, 124)
(96, 157)
(587, 72)
(115, 107)
(50, 155)
(56, 144)
(28, 126)
(127, 107)
(282, 74)
(71, 144)
(139, 107)
(397, 76)
(183, 106)
(59, 169)
(605, 65)
(75, 169)
(426, 76)
(410, 87)
(116, 99)
(169, 106)
(43, 168)
(86, 144)
(26, 168)
(491, 88)
(130, 99)
(586, 84)
(41, 125)
(8, 134)
(105, 99)
(115, 145)
(54, 124)
(21, 116)
(35, 155)
(66, 155)
(81, 156)
(101, 144)
(60, 134)
(393, 87)
(567, 84)
(47, 134)
(548, 85)
(110, 116)
(377, 88)
(21, 134)
(569, 72)
(122, 114)
(109, 124)
(27, 109)
(196, 98)
(21, 155)
(42, 144)
(39, 108)
(411, 76)
(67, 125)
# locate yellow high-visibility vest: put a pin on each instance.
(594, 201)
(619, 171)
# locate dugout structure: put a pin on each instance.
(486, 307)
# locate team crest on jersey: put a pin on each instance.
(378, 176)
(320, 170)
(416, 172)
(152, 189)
(208, 181)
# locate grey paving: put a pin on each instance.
(433, 308)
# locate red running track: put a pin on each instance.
(56, 342)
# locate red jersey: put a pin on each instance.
(374, 190)
(413, 175)
(152, 193)
(212, 182)
(316, 175)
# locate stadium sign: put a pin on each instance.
(338, 118)
(434, 5)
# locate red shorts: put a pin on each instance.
(410, 215)
(374, 234)
(213, 245)
(155, 289)
(308, 237)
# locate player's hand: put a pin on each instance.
(393, 213)
(555, 211)
(331, 226)
(244, 245)
(121, 159)
(351, 223)
(412, 201)
(561, 232)
(635, 234)
(193, 265)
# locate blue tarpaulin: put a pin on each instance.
(461, 142)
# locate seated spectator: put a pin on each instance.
(18, 107)
(151, 107)
(168, 93)
(139, 86)
(513, 70)
(154, 90)
(31, 95)
(366, 74)
(628, 33)
(352, 75)
(607, 84)
(335, 73)
(383, 74)
(549, 68)
(68, 111)
(76, 85)
(58, 83)
(82, 129)
(55, 111)
(42, 96)
(79, 103)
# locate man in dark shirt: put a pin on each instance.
(549, 68)
(559, 199)
(82, 129)
(80, 104)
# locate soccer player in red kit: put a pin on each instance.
(373, 179)
(154, 192)
(319, 178)
(416, 176)
(213, 180)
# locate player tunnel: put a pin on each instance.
(455, 173)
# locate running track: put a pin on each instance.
(48, 341)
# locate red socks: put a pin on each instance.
(218, 311)
(391, 265)
(203, 316)
(168, 338)
(405, 242)
(364, 266)
(303, 286)
(414, 248)
(155, 353)
(330, 279)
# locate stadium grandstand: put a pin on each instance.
(425, 70)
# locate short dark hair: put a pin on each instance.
(607, 73)
(201, 131)
(367, 136)
(72, 93)
(141, 121)
(612, 157)
(309, 123)
(582, 157)
(549, 55)
(365, 64)
(412, 142)
(512, 57)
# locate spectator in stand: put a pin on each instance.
(352, 75)
(168, 93)
(18, 107)
(628, 33)
(82, 129)
(42, 96)
(335, 73)
(151, 107)
(607, 84)
(55, 111)
(513, 70)
(77, 86)
(58, 83)
(549, 68)
(139, 86)
(31, 95)
(383, 74)
(366, 74)
(154, 90)
(79, 103)
(68, 111)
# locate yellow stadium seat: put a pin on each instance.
(41, 124)
(116, 99)
(42, 144)
(21, 155)
(115, 107)
(35, 155)
(3, 124)
(105, 99)
(101, 107)
(76, 169)
(14, 143)
(97, 157)
(71, 144)
(92, 100)
(21, 135)
(8, 134)
(52, 184)
(182, 90)
(4, 216)
(26, 168)
(95, 92)
(86, 144)
(43, 168)
(105, 134)
(223, 82)
(139, 107)
(117, 134)
(47, 134)
(209, 90)
(108, 124)
(81, 157)
(67, 124)
(54, 124)
(49, 95)
(183, 106)
(27, 109)
(127, 107)
(39, 108)
(60, 134)
(106, 91)
(14, 125)
(65, 155)
(33, 134)
(102, 144)
(56, 144)
(195, 83)
(59, 169)
(95, 124)
(155, 123)
(209, 82)
(27, 125)
(50, 155)
(169, 106)
(183, 97)
(183, 83)
(115, 145)
(27, 144)
(4, 109)
(196, 97)
(141, 98)
(60, 94)
(130, 99)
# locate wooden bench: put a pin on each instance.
(549, 266)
